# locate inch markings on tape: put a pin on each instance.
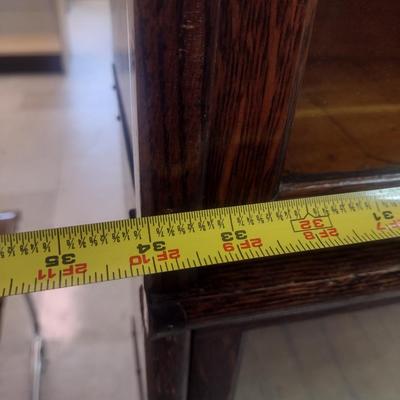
(77, 255)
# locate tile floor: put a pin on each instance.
(347, 356)
(62, 162)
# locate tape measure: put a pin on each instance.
(78, 255)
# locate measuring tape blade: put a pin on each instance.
(77, 255)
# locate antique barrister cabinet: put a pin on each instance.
(230, 102)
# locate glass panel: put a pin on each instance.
(348, 114)
(341, 357)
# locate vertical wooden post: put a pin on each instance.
(217, 83)
(260, 52)
(214, 364)
(168, 367)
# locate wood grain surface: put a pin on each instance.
(243, 292)
(215, 363)
(261, 48)
(217, 85)
(305, 185)
(168, 367)
(172, 54)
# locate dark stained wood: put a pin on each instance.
(356, 29)
(216, 87)
(168, 366)
(172, 45)
(239, 292)
(314, 185)
(261, 48)
(217, 84)
(214, 364)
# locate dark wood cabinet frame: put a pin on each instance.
(217, 84)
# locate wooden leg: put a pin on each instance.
(168, 367)
(215, 359)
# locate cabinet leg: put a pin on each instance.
(215, 359)
(168, 367)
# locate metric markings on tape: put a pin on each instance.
(77, 255)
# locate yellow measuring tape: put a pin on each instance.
(77, 255)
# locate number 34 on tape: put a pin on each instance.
(77, 255)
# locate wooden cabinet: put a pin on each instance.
(225, 117)
(347, 117)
